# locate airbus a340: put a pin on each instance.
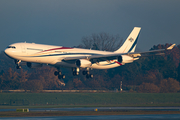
(35, 55)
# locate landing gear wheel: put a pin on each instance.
(85, 72)
(18, 67)
(56, 73)
(61, 76)
(89, 76)
(75, 73)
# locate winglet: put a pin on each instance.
(171, 47)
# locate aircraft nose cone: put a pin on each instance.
(7, 52)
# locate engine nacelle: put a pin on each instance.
(83, 63)
(34, 65)
(125, 59)
(120, 59)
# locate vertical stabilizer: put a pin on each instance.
(131, 42)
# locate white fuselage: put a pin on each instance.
(54, 55)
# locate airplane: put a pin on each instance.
(35, 55)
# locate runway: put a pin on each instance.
(110, 109)
(101, 109)
(89, 113)
(101, 117)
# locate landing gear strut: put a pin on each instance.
(75, 71)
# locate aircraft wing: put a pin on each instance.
(106, 57)
(150, 53)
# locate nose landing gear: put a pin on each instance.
(17, 62)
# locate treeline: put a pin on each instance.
(154, 74)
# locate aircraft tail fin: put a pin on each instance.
(131, 42)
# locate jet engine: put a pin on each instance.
(34, 65)
(83, 63)
(120, 59)
(125, 59)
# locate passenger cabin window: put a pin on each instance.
(11, 47)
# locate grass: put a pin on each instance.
(12, 100)
(77, 113)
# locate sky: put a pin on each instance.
(65, 22)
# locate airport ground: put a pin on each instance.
(8, 100)
(83, 113)
(84, 100)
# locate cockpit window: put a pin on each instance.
(11, 47)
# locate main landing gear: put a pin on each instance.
(59, 74)
(84, 72)
(87, 73)
(75, 72)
